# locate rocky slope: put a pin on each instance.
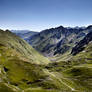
(82, 44)
(57, 40)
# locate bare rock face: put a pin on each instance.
(81, 45)
(57, 40)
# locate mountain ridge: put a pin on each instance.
(48, 40)
(25, 34)
(22, 69)
(81, 45)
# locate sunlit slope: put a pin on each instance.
(18, 75)
(22, 71)
(80, 71)
(20, 68)
(10, 40)
(76, 72)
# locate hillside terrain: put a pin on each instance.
(20, 65)
(82, 44)
(23, 69)
(76, 71)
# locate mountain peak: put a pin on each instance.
(90, 26)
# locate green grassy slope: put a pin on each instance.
(12, 41)
(22, 69)
(16, 72)
(18, 75)
(75, 72)
(18, 64)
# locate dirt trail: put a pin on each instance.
(59, 80)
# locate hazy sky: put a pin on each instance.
(37, 15)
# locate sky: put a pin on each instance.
(37, 15)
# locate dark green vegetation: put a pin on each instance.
(22, 69)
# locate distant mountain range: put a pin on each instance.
(57, 40)
(20, 31)
(25, 34)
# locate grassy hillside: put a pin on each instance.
(75, 72)
(81, 69)
(17, 74)
(22, 69)
(10, 40)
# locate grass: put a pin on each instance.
(82, 76)
(10, 40)
(19, 63)
(22, 69)
(76, 71)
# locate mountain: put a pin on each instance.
(25, 34)
(23, 69)
(21, 46)
(81, 45)
(20, 31)
(75, 71)
(58, 40)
